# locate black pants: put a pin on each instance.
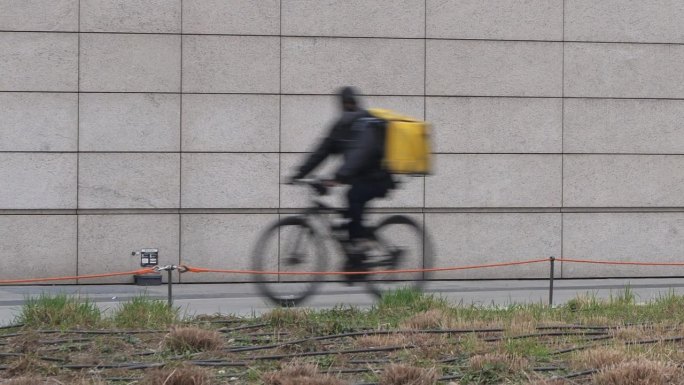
(358, 196)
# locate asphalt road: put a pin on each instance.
(243, 299)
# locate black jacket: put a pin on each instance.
(360, 139)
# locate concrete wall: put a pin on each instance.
(169, 123)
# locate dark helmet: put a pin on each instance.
(348, 99)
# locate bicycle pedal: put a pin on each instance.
(295, 260)
(397, 252)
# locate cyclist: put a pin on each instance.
(359, 138)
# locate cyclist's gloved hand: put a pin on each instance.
(292, 179)
(330, 183)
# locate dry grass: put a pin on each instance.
(522, 323)
(498, 361)
(193, 339)
(183, 375)
(629, 333)
(432, 346)
(299, 374)
(594, 319)
(33, 380)
(29, 380)
(398, 374)
(25, 343)
(539, 380)
(640, 332)
(425, 345)
(27, 365)
(281, 317)
(640, 372)
(430, 319)
(478, 325)
(598, 358)
(382, 340)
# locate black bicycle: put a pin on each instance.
(307, 242)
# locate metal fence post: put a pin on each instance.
(170, 284)
(552, 261)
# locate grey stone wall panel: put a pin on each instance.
(376, 66)
(656, 21)
(105, 243)
(244, 123)
(494, 125)
(130, 63)
(624, 70)
(354, 18)
(128, 180)
(39, 15)
(507, 19)
(150, 16)
(408, 195)
(129, 122)
(229, 180)
(38, 246)
(623, 181)
(38, 181)
(307, 118)
(35, 121)
(493, 68)
(223, 241)
(467, 239)
(38, 61)
(246, 17)
(478, 180)
(235, 64)
(634, 237)
(639, 126)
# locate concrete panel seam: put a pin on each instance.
(78, 128)
(305, 152)
(354, 37)
(363, 95)
(417, 210)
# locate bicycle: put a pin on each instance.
(302, 242)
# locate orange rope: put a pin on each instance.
(140, 271)
(429, 270)
(574, 260)
(193, 269)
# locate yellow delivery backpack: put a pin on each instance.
(407, 143)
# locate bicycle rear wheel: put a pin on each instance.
(402, 245)
(295, 246)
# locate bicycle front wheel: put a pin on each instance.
(403, 246)
(289, 245)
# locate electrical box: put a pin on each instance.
(148, 258)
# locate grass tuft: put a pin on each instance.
(494, 368)
(299, 374)
(598, 358)
(429, 319)
(29, 380)
(410, 299)
(27, 365)
(381, 340)
(192, 339)
(145, 313)
(640, 372)
(282, 317)
(399, 374)
(182, 375)
(59, 311)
